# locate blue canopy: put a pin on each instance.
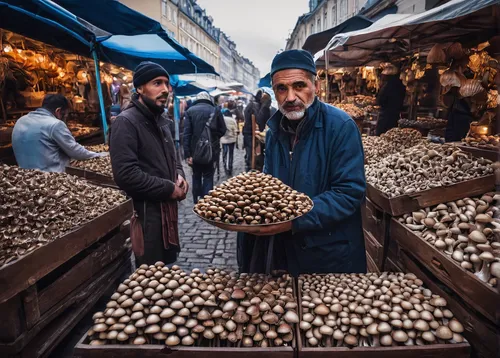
(265, 81)
(115, 42)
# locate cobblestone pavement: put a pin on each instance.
(204, 245)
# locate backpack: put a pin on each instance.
(203, 148)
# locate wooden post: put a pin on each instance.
(254, 125)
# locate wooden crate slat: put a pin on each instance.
(83, 271)
(406, 203)
(21, 274)
(53, 334)
(31, 306)
(375, 249)
(483, 336)
(479, 295)
(493, 155)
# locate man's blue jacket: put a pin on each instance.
(327, 164)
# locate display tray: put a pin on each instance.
(482, 335)
(403, 204)
(375, 221)
(491, 154)
(93, 177)
(241, 227)
(25, 272)
(436, 350)
(484, 298)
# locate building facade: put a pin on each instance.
(322, 15)
(190, 25)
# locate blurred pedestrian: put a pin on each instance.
(228, 141)
(203, 114)
(252, 108)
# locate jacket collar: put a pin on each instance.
(311, 120)
(203, 101)
(44, 112)
(145, 111)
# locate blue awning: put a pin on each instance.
(54, 24)
(265, 81)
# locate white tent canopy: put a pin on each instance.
(395, 35)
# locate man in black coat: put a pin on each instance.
(253, 108)
(202, 111)
(390, 99)
(147, 167)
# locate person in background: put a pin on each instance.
(264, 111)
(390, 99)
(148, 168)
(459, 116)
(316, 149)
(41, 140)
(228, 141)
(201, 113)
(252, 108)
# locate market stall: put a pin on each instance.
(58, 255)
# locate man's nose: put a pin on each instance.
(290, 95)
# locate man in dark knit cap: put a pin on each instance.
(148, 168)
(316, 149)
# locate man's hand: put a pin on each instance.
(181, 182)
(270, 230)
(102, 154)
(178, 193)
(189, 161)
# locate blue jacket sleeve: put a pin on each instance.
(348, 183)
(63, 137)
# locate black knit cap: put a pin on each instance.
(147, 71)
(293, 59)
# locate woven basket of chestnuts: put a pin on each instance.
(252, 199)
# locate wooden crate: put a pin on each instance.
(375, 250)
(437, 350)
(482, 297)
(93, 177)
(49, 298)
(370, 264)
(21, 274)
(406, 203)
(375, 221)
(492, 155)
(83, 350)
(483, 336)
(84, 302)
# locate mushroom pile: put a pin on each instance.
(161, 305)
(423, 123)
(467, 230)
(37, 207)
(352, 110)
(423, 167)
(99, 148)
(491, 142)
(390, 142)
(101, 165)
(371, 310)
(253, 198)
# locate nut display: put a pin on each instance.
(352, 110)
(424, 166)
(161, 305)
(466, 230)
(101, 165)
(99, 148)
(37, 207)
(371, 310)
(491, 142)
(361, 100)
(390, 142)
(423, 123)
(253, 198)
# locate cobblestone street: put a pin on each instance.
(203, 245)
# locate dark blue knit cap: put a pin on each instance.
(293, 59)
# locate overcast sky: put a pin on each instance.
(258, 27)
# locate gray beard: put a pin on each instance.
(294, 115)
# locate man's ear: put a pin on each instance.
(58, 113)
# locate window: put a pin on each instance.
(169, 13)
(174, 16)
(325, 20)
(343, 10)
(164, 8)
(334, 15)
(312, 29)
(318, 25)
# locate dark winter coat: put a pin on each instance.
(252, 108)
(459, 119)
(195, 119)
(146, 165)
(390, 99)
(327, 164)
